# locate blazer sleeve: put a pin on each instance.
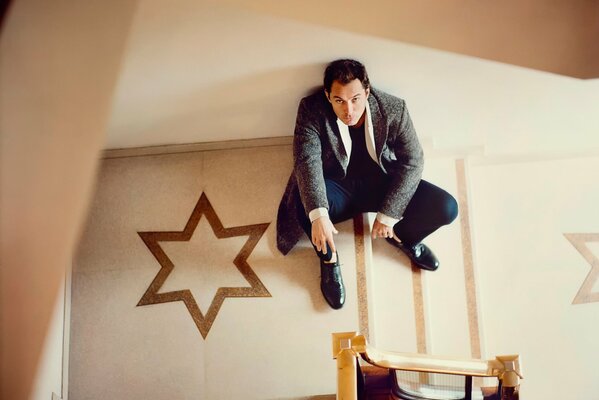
(307, 157)
(404, 162)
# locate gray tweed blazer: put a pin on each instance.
(319, 153)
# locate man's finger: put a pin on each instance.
(332, 245)
(323, 241)
(318, 243)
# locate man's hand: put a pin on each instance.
(381, 230)
(322, 233)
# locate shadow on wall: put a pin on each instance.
(254, 106)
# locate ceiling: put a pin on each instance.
(549, 35)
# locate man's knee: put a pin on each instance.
(449, 210)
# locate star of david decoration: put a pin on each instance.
(203, 321)
(578, 240)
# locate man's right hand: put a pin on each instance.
(322, 233)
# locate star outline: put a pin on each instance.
(585, 293)
(203, 208)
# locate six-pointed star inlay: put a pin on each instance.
(203, 321)
(578, 240)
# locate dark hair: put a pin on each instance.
(345, 71)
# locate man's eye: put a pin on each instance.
(339, 101)
(354, 100)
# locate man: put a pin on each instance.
(355, 150)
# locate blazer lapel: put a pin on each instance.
(376, 131)
(370, 142)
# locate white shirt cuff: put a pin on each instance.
(386, 220)
(317, 213)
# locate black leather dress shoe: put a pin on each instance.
(331, 284)
(419, 253)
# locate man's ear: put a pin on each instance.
(367, 92)
(328, 95)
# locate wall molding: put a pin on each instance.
(197, 147)
(428, 144)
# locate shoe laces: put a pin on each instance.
(417, 249)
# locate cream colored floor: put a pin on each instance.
(261, 348)
(435, 321)
(526, 275)
(529, 273)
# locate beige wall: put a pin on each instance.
(59, 64)
(203, 72)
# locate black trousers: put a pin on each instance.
(430, 208)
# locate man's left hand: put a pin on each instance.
(381, 230)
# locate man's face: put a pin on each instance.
(348, 101)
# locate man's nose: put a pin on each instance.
(348, 108)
